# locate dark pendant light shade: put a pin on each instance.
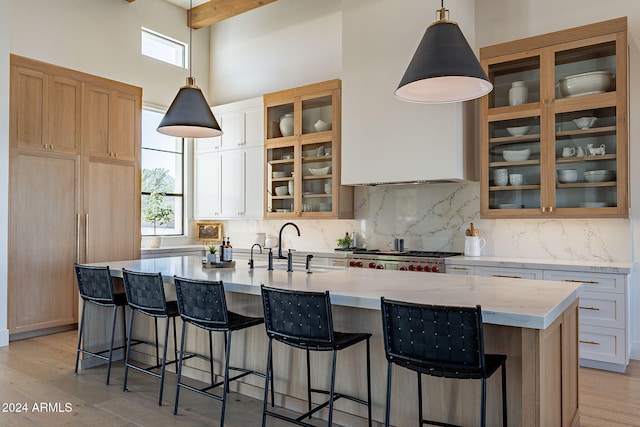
(189, 115)
(444, 68)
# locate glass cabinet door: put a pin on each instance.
(585, 124)
(280, 179)
(516, 82)
(280, 121)
(317, 114)
(586, 159)
(317, 177)
(514, 164)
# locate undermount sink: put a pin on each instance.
(301, 268)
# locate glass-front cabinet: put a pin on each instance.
(303, 154)
(554, 131)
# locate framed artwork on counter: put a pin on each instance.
(209, 232)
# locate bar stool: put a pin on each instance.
(145, 294)
(96, 287)
(203, 304)
(303, 320)
(441, 341)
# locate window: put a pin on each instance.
(162, 179)
(164, 48)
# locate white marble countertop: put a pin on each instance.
(511, 302)
(543, 263)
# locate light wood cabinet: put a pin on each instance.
(66, 205)
(228, 170)
(302, 153)
(567, 142)
(109, 130)
(111, 206)
(48, 116)
(43, 240)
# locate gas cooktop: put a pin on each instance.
(423, 254)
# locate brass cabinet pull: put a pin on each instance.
(589, 308)
(544, 208)
(77, 237)
(590, 342)
(550, 209)
(504, 275)
(591, 282)
(86, 237)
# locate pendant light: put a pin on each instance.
(444, 68)
(189, 115)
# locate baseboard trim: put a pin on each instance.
(40, 332)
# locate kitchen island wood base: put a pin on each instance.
(542, 372)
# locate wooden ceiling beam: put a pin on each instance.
(217, 10)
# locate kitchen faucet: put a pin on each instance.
(251, 258)
(280, 256)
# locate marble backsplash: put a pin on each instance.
(435, 217)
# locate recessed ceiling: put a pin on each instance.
(185, 3)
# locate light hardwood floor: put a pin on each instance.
(40, 370)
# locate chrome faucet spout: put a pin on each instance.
(280, 256)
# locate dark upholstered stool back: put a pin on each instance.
(298, 317)
(434, 336)
(145, 292)
(202, 302)
(95, 284)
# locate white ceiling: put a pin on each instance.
(185, 3)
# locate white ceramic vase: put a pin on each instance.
(518, 93)
(211, 258)
(286, 124)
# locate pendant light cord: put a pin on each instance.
(191, 31)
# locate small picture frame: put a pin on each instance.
(209, 232)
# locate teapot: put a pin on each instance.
(594, 151)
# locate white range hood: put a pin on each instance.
(433, 143)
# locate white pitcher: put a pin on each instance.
(473, 245)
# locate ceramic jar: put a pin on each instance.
(286, 124)
(518, 93)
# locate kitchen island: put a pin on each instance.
(535, 323)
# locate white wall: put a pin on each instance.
(103, 38)
(284, 44)
(4, 166)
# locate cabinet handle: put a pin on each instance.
(550, 209)
(78, 237)
(504, 275)
(459, 268)
(589, 308)
(544, 209)
(244, 181)
(590, 282)
(590, 342)
(86, 237)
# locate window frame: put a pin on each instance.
(184, 175)
(169, 41)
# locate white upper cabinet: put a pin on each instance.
(229, 170)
